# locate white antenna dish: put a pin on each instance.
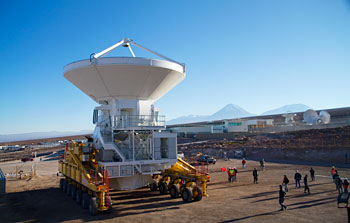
(325, 117)
(289, 118)
(310, 116)
(129, 78)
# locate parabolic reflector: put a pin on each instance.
(310, 116)
(325, 117)
(124, 77)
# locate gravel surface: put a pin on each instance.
(39, 199)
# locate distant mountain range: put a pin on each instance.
(40, 135)
(231, 111)
(287, 109)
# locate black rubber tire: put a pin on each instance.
(73, 192)
(79, 196)
(110, 205)
(85, 201)
(61, 184)
(163, 188)
(199, 194)
(153, 186)
(93, 206)
(65, 186)
(174, 191)
(187, 195)
(69, 189)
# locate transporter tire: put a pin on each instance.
(153, 186)
(187, 195)
(65, 186)
(69, 189)
(93, 206)
(163, 188)
(61, 184)
(85, 201)
(79, 196)
(198, 194)
(109, 203)
(174, 191)
(73, 192)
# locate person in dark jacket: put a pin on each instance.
(236, 171)
(262, 163)
(255, 175)
(339, 184)
(312, 174)
(306, 185)
(285, 182)
(346, 185)
(282, 194)
(297, 178)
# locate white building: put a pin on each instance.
(260, 123)
(236, 125)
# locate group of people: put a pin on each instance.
(341, 186)
(232, 172)
(297, 178)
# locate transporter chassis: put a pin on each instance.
(84, 180)
(184, 180)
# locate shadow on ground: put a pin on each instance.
(251, 216)
(51, 205)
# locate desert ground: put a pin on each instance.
(39, 199)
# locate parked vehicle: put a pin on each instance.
(238, 154)
(27, 159)
(207, 159)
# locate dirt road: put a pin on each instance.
(39, 199)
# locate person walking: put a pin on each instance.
(262, 163)
(285, 182)
(282, 194)
(346, 185)
(244, 162)
(236, 171)
(231, 174)
(297, 178)
(306, 185)
(339, 184)
(255, 175)
(334, 172)
(312, 174)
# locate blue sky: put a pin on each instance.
(259, 55)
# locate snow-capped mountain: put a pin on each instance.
(228, 112)
(287, 109)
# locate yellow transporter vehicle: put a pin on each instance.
(87, 182)
(84, 180)
(182, 179)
